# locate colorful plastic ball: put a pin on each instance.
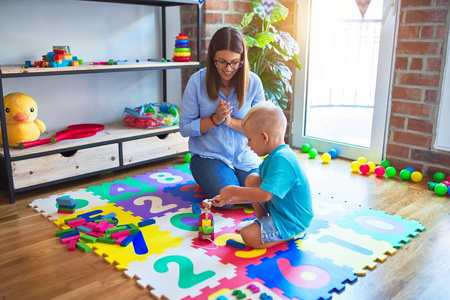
(326, 157)
(405, 174)
(333, 153)
(187, 157)
(448, 178)
(390, 172)
(355, 166)
(385, 164)
(440, 189)
(380, 171)
(362, 160)
(410, 169)
(416, 176)
(364, 168)
(306, 147)
(313, 153)
(438, 176)
(447, 183)
(372, 166)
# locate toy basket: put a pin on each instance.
(151, 115)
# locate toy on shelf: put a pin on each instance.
(59, 57)
(182, 52)
(206, 223)
(145, 116)
(21, 119)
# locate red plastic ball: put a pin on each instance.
(447, 183)
(364, 168)
(380, 171)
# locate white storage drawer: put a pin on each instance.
(153, 147)
(48, 168)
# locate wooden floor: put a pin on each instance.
(34, 265)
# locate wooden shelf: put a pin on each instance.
(113, 132)
(19, 71)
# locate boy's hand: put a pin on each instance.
(217, 201)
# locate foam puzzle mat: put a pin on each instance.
(343, 243)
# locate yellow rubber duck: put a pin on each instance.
(21, 119)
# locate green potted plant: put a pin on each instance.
(270, 50)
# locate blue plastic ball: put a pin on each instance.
(410, 169)
(333, 153)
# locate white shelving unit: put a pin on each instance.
(114, 148)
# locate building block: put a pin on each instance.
(83, 229)
(72, 244)
(88, 238)
(235, 244)
(146, 222)
(120, 234)
(64, 231)
(69, 234)
(68, 239)
(127, 240)
(83, 247)
(106, 240)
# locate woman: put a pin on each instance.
(215, 101)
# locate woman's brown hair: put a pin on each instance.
(231, 39)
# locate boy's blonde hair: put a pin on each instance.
(266, 116)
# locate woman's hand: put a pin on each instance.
(223, 112)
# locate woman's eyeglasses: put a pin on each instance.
(222, 64)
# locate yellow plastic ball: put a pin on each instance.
(326, 157)
(372, 166)
(355, 166)
(362, 160)
(416, 176)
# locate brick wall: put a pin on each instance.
(416, 92)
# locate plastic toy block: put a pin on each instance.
(110, 221)
(127, 240)
(119, 234)
(67, 208)
(119, 240)
(90, 225)
(83, 247)
(94, 234)
(64, 231)
(83, 229)
(68, 239)
(102, 226)
(206, 223)
(196, 208)
(235, 244)
(116, 229)
(64, 212)
(133, 229)
(146, 222)
(106, 240)
(88, 238)
(76, 223)
(109, 216)
(72, 219)
(72, 245)
(68, 234)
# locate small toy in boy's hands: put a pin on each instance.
(206, 223)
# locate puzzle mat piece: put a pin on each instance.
(189, 191)
(120, 189)
(166, 177)
(183, 168)
(153, 205)
(315, 226)
(332, 211)
(179, 273)
(252, 290)
(382, 226)
(155, 240)
(184, 224)
(84, 200)
(348, 248)
(301, 274)
(237, 257)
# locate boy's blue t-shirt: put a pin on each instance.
(291, 205)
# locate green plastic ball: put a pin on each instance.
(187, 157)
(390, 172)
(150, 109)
(173, 110)
(438, 176)
(306, 147)
(385, 164)
(440, 189)
(405, 174)
(313, 153)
